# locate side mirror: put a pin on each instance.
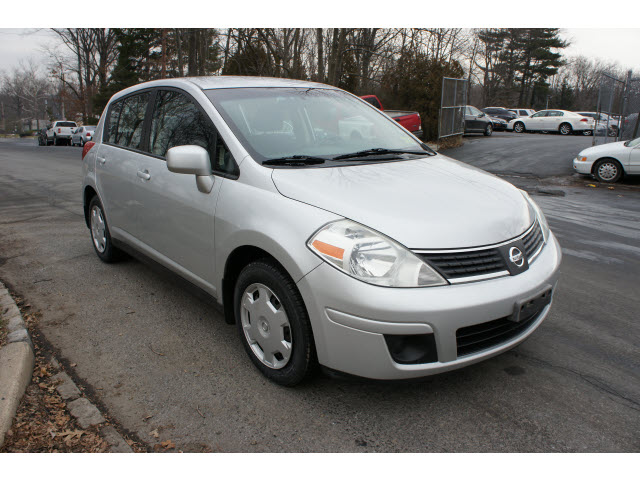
(482, 115)
(192, 160)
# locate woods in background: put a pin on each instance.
(403, 66)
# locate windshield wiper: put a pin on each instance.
(379, 151)
(294, 161)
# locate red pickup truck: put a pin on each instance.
(409, 120)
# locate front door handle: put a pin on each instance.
(144, 174)
(102, 160)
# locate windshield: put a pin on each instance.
(282, 122)
(66, 124)
(634, 143)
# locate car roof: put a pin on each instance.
(222, 81)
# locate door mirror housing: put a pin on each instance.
(193, 160)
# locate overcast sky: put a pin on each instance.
(611, 44)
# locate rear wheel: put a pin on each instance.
(587, 133)
(273, 323)
(565, 129)
(607, 170)
(488, 130)
(518, 127)
(100, 236)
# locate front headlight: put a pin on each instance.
(540, 216)
(371, 257)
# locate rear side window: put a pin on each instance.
(523, 112)
(114, 116)
(555, 113)
(129, 133)
(178, 121)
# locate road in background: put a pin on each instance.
(161, 359)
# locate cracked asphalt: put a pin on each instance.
(158, 358)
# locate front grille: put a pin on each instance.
(471, 263)
(486, 335)
(533, 240)
(466, 264)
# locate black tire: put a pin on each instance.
(55, 141)
(565, 129)
(110, 254)
(519, 127)
(610, 168)
(302, 361)
(488, 130)
(82, 142)
(587, 133)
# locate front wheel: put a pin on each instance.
(518, 127)
(273, 323)
(565, 129)
(607, 170)
(488, 130)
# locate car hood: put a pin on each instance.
(614, 148)
(433, 202)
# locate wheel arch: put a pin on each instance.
(238, 259)
(88, 193)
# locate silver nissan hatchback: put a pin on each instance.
(329, 234)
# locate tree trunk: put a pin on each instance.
(320, 43)
(178, 34)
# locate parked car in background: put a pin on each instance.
(60, 132)
(373, 256)
(82, 135)
(602, 119)
(42, 137)
(498, 123)
(609, 162)
(561, 121)
(522, 112)
(476, 121)
(500, 112)
(408, 119)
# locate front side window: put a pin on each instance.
(280, 122)
(539, 114)
(176, 121)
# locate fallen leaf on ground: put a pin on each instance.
(167, 444)
(590, 185)
(154, 433)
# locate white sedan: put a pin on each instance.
(610, 161)
(561, 121)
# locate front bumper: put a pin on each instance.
(350, 318)
(582, 167)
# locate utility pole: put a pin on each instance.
(3, 124)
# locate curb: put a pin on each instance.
(17, 361)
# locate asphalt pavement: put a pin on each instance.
(158, 358)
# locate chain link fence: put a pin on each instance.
(452, 103)
(617, 108)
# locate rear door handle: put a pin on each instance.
(144, 174)
(102, 160)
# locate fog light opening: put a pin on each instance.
(412, 349)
